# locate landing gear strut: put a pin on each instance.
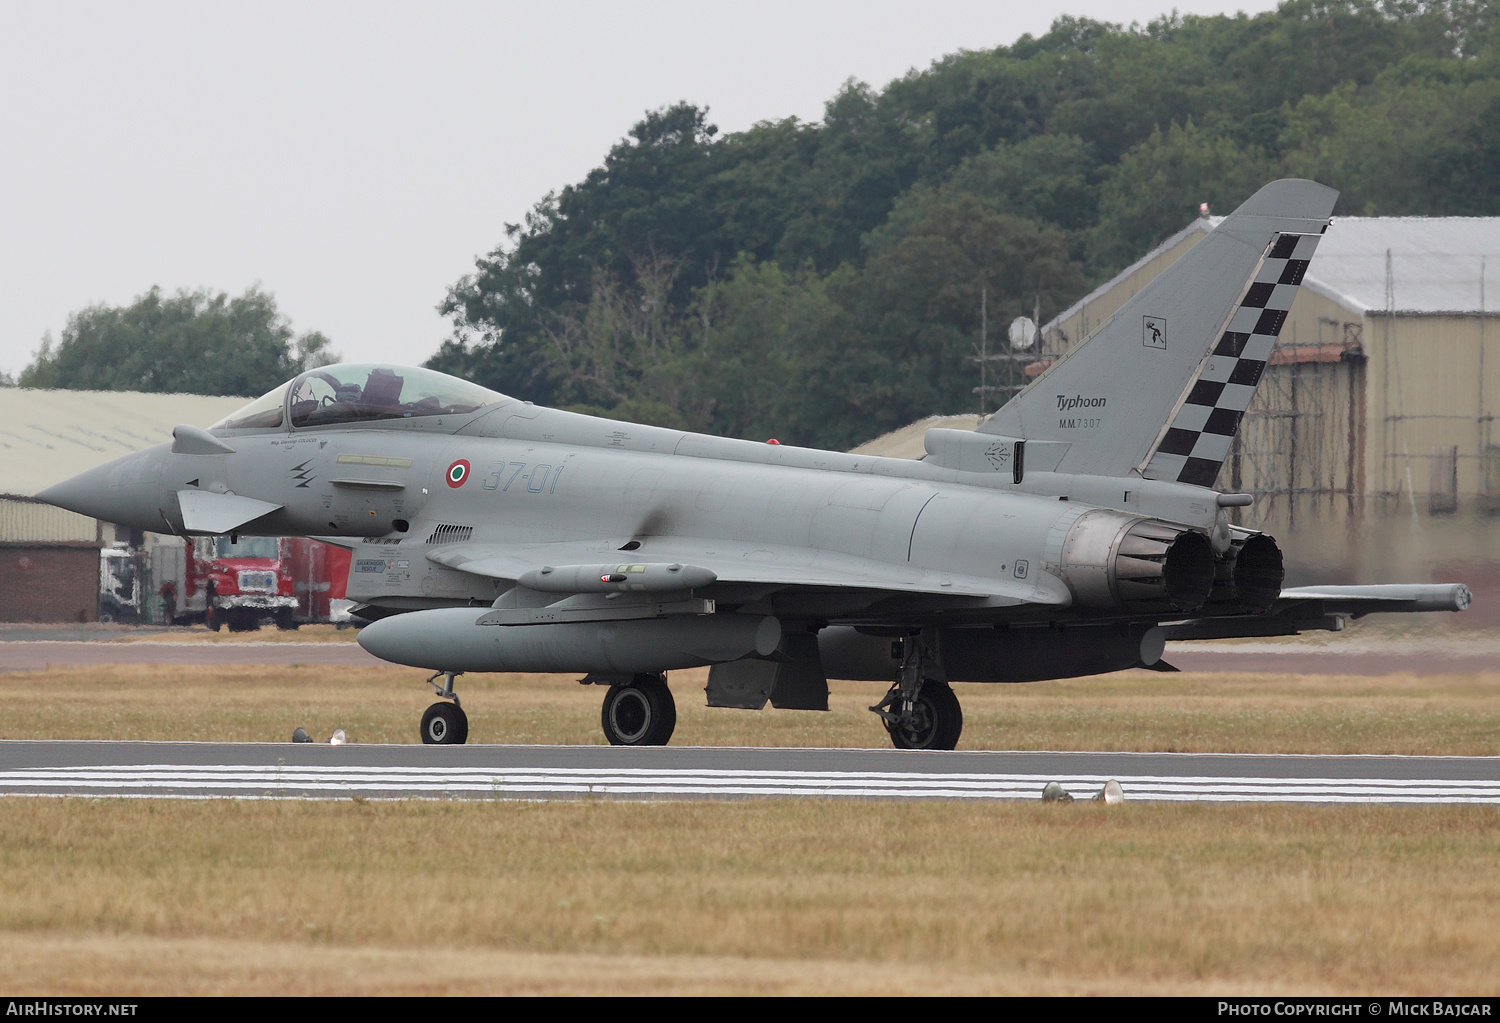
(640, 712)
(445, 724)
(921, 712)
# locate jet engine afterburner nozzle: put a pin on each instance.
(1248, 576)
(1258, 573)
(1158, 563)
(1111, 559)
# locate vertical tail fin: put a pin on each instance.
(1160, 387)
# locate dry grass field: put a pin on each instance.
(755, 896)
(759, 896)
(1187, 712)
(265, 634)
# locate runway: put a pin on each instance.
(310, 771)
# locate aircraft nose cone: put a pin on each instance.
(88, 493)
(124, 491)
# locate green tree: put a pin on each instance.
(196, 342)
(921, 296)
(614, 356)
(1419, 141)
(1156, 189)
(1046, 178)
(763, 344)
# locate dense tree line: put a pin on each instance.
(192, 342)
(821, 282)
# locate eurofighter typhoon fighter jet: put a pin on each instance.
(1072, 534)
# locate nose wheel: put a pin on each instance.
(640, 712)
(445, 724)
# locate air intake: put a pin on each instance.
(445, 533)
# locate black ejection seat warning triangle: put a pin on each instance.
(192, 483)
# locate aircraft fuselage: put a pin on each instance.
(411, 498)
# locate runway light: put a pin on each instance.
(1055, 793)
(1112, 793)
(300, 735)
(338, 738)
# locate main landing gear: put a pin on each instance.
(640, 712)
(445, 724)
(920, 712)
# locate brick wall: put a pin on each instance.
(49, 583)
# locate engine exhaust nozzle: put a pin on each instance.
(1114, 560)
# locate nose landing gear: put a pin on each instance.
(445, 724)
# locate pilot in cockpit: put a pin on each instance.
(354, 392)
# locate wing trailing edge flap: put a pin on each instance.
(761, 565)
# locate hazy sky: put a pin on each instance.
(354, 158)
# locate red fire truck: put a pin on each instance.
(288, 581)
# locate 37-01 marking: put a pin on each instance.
(537, 479)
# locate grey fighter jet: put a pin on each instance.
(1072, 534)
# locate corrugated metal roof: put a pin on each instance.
(48, 436)
(1435, 263)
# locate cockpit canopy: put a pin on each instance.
(351, 392)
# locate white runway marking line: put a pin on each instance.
(334, 782)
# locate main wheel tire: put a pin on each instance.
(936, 723)
(641, 713)
(445, 724)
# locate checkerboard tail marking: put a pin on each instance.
(1197, 440)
